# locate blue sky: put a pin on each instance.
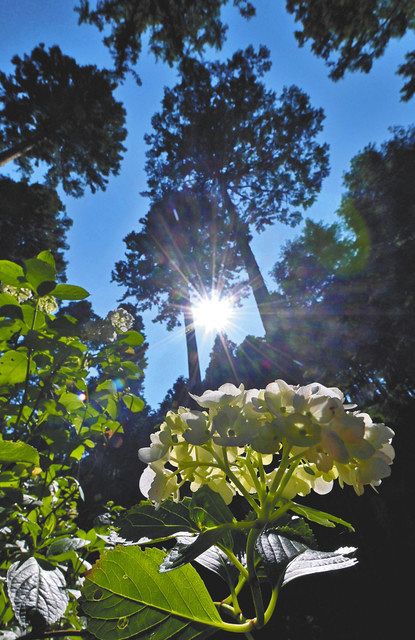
(359, 110)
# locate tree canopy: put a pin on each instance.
(350, 35)
(176, 27)
(32, 219)
(64, 116)
(183, 251)
(222, 131)
(349, 286)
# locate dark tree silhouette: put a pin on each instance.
(222, 365)
(175, 27)
(349, 287)
(350, 35)
(32, 219)
(182, 252)
(63, 115)
(221, 131)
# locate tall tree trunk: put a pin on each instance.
(17, 150)
(195, 378)
(256, 281)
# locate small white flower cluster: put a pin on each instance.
(21, 294)
(240, 439)
(120, 319)
(48, 304)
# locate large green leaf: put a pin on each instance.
(18, 452)
(13, 367)
(312, 561)
(69, 292)
(38, 271)
(125, 596)
(145, 521)
(276, 552)
(285, 560)
(131, 338)
(11, 273)
(133, 402)
(34, 590)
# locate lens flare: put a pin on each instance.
(213, 314)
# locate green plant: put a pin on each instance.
(245, 459)
(58, 399)
(224, 484)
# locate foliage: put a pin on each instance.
(268, 447)
(32, 216)
(167, 263)
(52, 419)
(221, 131)
(220, 127)
(348, 287)
(350, 36)
(176, 28)
(63, 115)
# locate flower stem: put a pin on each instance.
(253, 579)
(236, 482)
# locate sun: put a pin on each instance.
(213, 314)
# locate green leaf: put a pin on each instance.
(11, 273)
(33, 590)
(125, 596)
(285, 560)
(131, 338)
(216, 561)
(133, 402)
(277, 551)
(78, 452)
(69, 292)
(312, 561)
(38, 271)
(63, 545)
(13, 367)
(33, 318)
(11, 310)
(18, 452)
(46, 287)
(320, 517)
(208, 508)
(46, 256)
(145, 521)
(188, 549)
(71, 401)
(296, 528)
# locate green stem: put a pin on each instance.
(26, 383)
(239, 586)
(271, 605)
(232, 557)
(260, 488)
(253, 579)
(282, 467)
(235, 480)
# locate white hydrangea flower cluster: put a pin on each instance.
(48, 304)
(21, 294)
(284, 439)
(120, 319)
